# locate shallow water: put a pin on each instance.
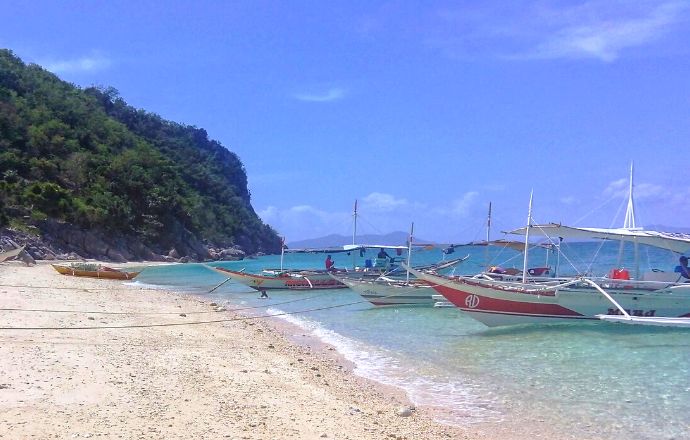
(591, 380)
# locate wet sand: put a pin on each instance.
(239, 378)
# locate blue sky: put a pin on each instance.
(423, 111)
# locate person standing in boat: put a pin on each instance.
(330, 263)
(683, 268)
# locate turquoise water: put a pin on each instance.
(590, 380)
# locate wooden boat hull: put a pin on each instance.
(392, 293)
(299, 280)
(496, 303)
(108, 274)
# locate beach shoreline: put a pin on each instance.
(231, 378)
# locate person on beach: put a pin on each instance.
(264, 295)
(683, 267)
(330, 263)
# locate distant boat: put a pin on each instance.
(93, 270)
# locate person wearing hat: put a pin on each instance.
(683, 268)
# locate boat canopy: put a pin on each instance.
(345, 248)
(672, 241)
(515, 245)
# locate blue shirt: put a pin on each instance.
(683, 271)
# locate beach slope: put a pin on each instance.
(136, 363)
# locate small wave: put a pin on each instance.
(452, 400)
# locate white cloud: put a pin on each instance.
(594, 29)
(305, 221)
(595, 34)
(620, 188)
(92, 63)
(332, 94)
(569, 200)
(377, 201)
(461, 207)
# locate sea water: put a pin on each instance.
(579, 380)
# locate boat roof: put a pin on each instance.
(676, 242)
(345, 248)
(515, 245)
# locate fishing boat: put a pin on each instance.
(523, 298)
(527, 299)
(388, 291)
(289, 279)
(93, 270)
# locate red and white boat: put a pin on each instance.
(523, 300)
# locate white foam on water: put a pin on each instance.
(453, 401)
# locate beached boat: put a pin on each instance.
(93, 270)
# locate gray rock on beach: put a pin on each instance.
(404, 411)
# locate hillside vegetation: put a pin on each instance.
(84, 158)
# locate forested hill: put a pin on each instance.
(81, 162)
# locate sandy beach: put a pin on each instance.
(238, 379)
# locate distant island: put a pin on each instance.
(84, 175)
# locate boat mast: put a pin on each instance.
(354, 235)
(529, 224)
(282, 252)
(409, 253)
(354, 220)
(488, 235)
(629, 223)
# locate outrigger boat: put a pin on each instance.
(387, 291)
(527, 299)
(290, 279)
(93, 270)
(303, 279)
(523, 300)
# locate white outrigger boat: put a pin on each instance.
(654, 298)
(387, 291)
(384, 291)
